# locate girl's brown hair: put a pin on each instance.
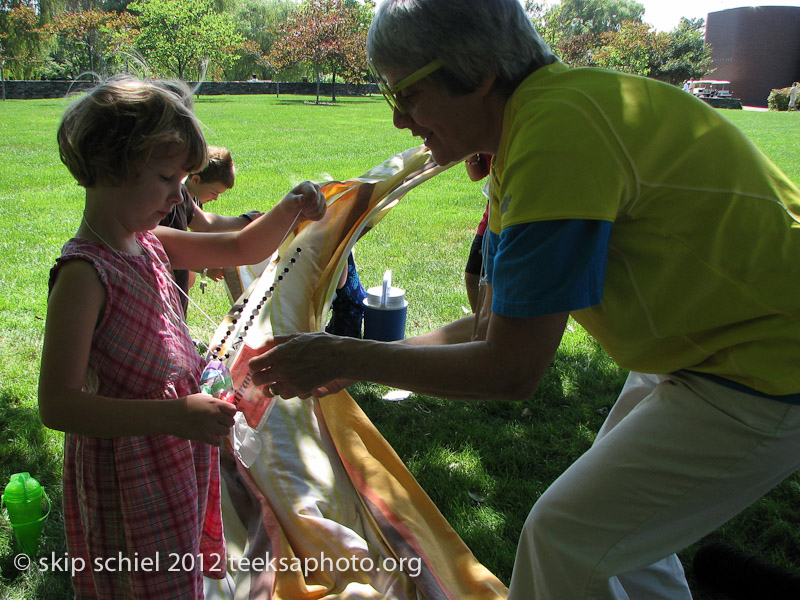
(107, 134)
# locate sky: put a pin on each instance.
(665, 15)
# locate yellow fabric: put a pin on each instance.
(704, 259)
(326, 483)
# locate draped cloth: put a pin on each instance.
(328, 509)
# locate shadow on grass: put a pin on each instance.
(289, 101)
(200, 98)
(306, 102)
(27, 446)
(484, 464)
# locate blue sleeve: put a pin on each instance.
(548, 267)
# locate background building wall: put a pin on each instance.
(756, 48)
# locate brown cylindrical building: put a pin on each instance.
(756, 48)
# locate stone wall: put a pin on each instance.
(25, 90)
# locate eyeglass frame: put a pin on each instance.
(390, 91)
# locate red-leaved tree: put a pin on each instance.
(328, 34)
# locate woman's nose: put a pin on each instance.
(401, 120)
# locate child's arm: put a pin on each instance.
(252, 244)
(208, 222)
(74, 308)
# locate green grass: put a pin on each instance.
(483, 464)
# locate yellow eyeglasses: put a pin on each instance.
(390, 92)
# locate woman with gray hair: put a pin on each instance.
(650, 219)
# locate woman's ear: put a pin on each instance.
(487, 84)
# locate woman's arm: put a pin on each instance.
(507, 365)
(74, 308)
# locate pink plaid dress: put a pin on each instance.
(143, 513)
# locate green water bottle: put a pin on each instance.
(23, 501)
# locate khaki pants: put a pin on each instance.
(678, 456)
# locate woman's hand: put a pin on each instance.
(306, 199)
(300, 365)
(205, 419)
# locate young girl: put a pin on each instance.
(119, 372)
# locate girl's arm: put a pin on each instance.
(254, 243)
(74, 308)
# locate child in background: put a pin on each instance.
(216, 178)
(348, 305)
(119, 373)
(478, 166)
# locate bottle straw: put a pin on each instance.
(387, 285)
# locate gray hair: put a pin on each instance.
(473, 38)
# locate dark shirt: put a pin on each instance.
(179, 218)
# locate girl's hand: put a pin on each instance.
(478, 166)
(306, 199)
(215, 274)
(205, 419)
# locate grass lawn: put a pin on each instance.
(483, 464)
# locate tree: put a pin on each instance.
(20, 39)
(354, 68)
(87, 40)
(575, 17)
(538, 13)
(687, 55)
(590, 33)
(179, 36)
(257, 21)
(328, 34)
(635, 48)
(578, 50)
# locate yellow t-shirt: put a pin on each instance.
(704, 258)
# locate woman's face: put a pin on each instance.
(448, 124)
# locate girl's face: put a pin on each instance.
(448, 124)
(149, 196)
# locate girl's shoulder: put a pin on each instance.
(97, 255)
(112, 266)
(152, 245)
(78, 246)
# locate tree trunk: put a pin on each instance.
(333, 86)
(316, 73)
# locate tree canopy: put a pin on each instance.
(20, 43)
(611, 34)
(329, 34)
(283, 39)
(575, 17)
(177, 36)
